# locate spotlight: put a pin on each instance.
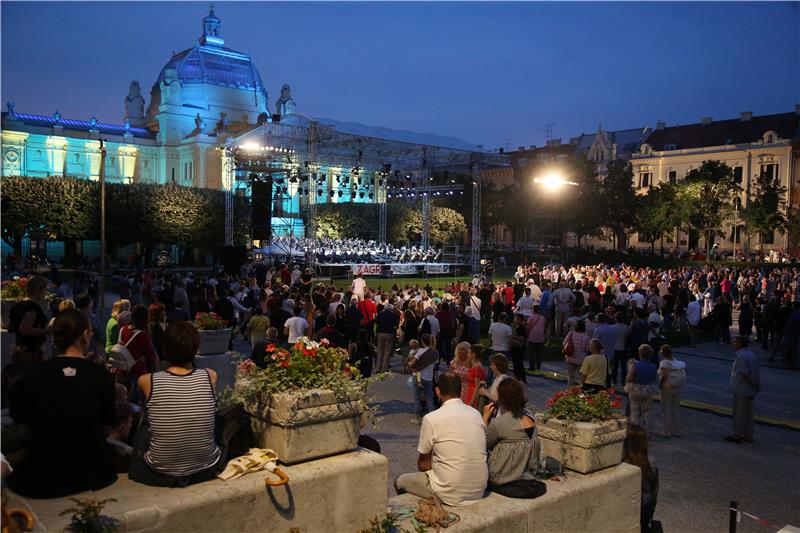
(339, 193)
(361, 195)
(319, 192)
(371, 196)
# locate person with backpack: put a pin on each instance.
(671, 379)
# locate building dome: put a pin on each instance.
(211, 62)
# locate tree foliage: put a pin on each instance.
(710, 192)
(584, 215)
(660, 212)
(68, 209)
(336, 221)
(765, 212)
(447, 225)
(618, 202)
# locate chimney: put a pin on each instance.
(520, 148)
(660, 125)
(705, 120)
(532, 147)
(746, 116)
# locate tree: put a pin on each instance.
(710, 192)
(583, 218)
(336, 221)
(447, 225)
(660, 212)
(765, 212)
(492, 208)
(516, 212)
(617, 201)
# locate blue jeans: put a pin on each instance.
(430, 398)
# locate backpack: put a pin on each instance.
(119, 356)
(676, 378)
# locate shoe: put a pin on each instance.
(417, 420)
(734, 438)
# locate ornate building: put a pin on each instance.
(750, 145)
(206, 98)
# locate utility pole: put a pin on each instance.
(102, 291)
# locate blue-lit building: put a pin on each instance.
(205, 98)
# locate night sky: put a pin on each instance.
(492, 74)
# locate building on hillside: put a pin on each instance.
(750, 145)
(206, 98)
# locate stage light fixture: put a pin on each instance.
(361, 195)
(371, 196)
(319, 192)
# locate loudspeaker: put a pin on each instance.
(261, 210)
(232, 258)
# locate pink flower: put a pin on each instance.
(247, 365)
(325, 342)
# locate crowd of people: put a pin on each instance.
(468, 345)
(336, 251)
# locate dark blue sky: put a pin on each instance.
(491, 74)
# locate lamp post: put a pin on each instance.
(102, 288)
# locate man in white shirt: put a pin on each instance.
(359, 286)
(452, 450)
(295, 327)
(525, 304)
(500, 332)
(563, 298)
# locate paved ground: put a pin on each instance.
(700, 473)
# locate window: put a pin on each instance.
(562, 157)
(768, 237)
(737, 174)
(522, 162)
(543, 157)
(645, 179)
(672, 176)
(770, 169)
(670, 146)
(737, 204)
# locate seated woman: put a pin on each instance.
(178, 447)
(67, 401)
(511, 437)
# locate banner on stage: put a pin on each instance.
(367, 269)
(404, 269)
(437, 269)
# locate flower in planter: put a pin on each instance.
(14, 289)
(304, 365)
(574, 404)
(209, 321)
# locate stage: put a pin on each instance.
(389, 270)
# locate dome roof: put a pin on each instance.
(216, 65)
(211, 62)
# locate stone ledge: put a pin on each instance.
(337, 494)
(601, 502)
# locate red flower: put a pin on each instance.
(611, 391)
(285, 364)
(270, 348)
(616, 404)
(246, 365)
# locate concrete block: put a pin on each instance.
(604, 501)
(308, 425)
(224, 364)
(337, 494)
(582, 446)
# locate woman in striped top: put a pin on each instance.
(511, 438)
(179, 449)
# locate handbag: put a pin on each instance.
(520, 488)
(569, 346)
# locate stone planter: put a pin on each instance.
(5, 308)
(213, 341)
(582, 446)
(308, 424)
